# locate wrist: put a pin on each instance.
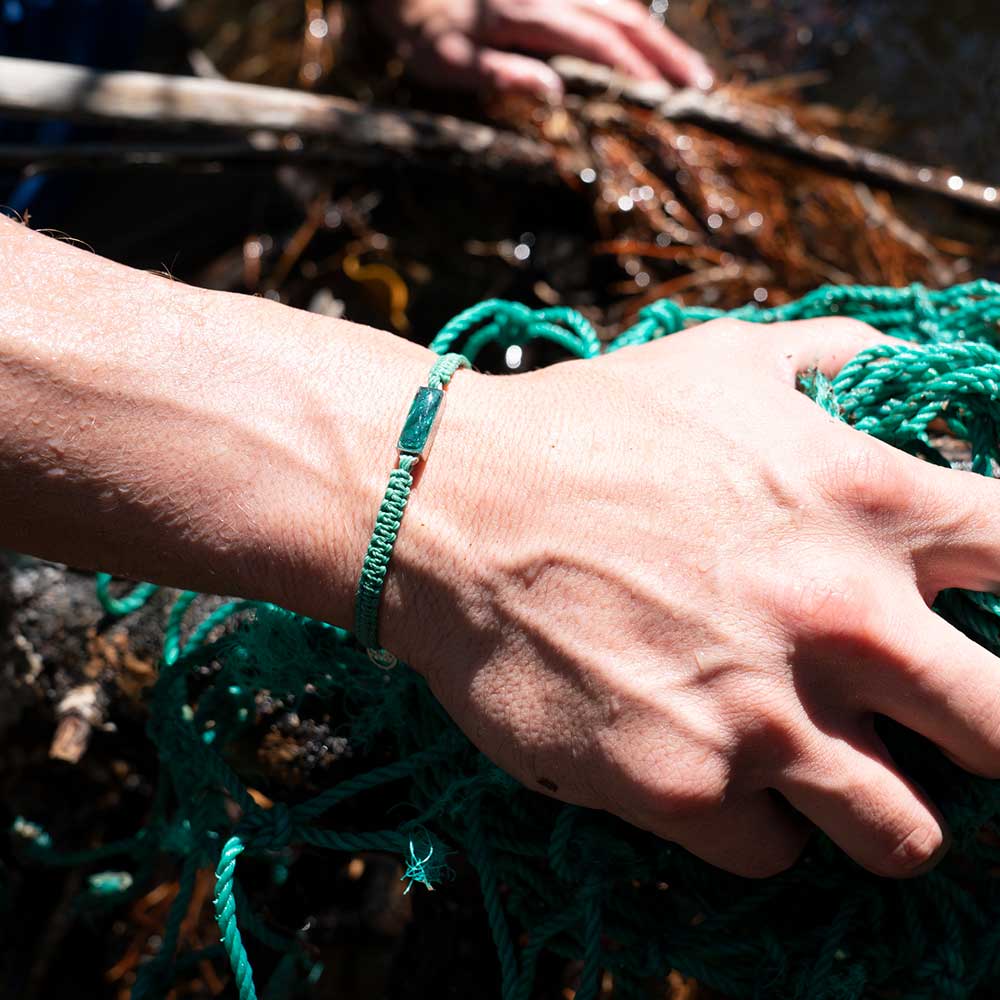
(214, 441)
(346, 390)
(484, 521)
(434, 582)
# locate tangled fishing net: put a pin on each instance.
(555, 877)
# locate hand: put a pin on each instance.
(468, 43)
(664, 583)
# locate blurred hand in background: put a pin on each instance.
(482, 44)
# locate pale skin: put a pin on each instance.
(634, 586)
(501, 44)
(662, 583)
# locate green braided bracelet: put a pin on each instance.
(414, 444)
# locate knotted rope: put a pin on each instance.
(579, 883)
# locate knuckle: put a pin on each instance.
(668, 789)
(690, 800)
(864, 478)
(773, 737)
(733, 332)
(716, 339)
(846, 326)
(830, 604)
(726, 340)
(913, 852)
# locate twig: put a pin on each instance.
(79, 712)
(942, 273)
(776, 130)
(312, 127)
(34, 89)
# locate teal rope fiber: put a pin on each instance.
(225, 915)
(136, 598)
(577, 883)
(376, 564)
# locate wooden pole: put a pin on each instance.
(281, 124)
(343, 128)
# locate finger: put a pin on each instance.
(575, 32)
(945, 687)
(825, 344)
(675, 59)
(755, 836)
(508, 72)
(954, 533)
(786, 350)
(454, 59)
(866, 807)
(950, 517)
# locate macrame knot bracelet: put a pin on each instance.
(414, 445)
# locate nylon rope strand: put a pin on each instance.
(580, 884)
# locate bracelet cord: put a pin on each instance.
(375, 567)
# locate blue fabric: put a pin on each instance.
(104, 34)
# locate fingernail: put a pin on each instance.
(704, 78)
(548, 87)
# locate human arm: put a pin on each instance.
(500, 44)
(625, 596)
(164, 432)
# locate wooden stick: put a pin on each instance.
(773, 129)
(338, 129)
(34, 89)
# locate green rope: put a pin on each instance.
(225, 916)
(578, 883)
(156, 973)
(136, 598)
(590, 977)
(481, 855)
